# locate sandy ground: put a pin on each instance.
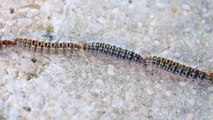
(93, 86)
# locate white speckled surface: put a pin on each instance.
(94, 86)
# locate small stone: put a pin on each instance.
(111, 70)
(168, 93)
(156, 42)
(190, 116)
(150, 91)
(203, 21)
(12, 10)
(140, 24)
(182, 84)
(151, 16)
(204, 10)
(34, 60)
(27, 66)
(99, 81)
(101, 20)
(186, 7)
(192, 102)
(194, 92)
(28, 109)
(158, 86)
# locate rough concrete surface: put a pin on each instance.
(93, 86)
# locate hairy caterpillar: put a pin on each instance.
(48, 47)
(177, 68)
(113, 51)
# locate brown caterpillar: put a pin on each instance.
(114, 51)
(6, 43)
(48, 47)
(177, 68)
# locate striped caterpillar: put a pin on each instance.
(6, 43)
(113, 51)
(42, 46)
(177, 68)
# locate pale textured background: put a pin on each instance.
(93, 86)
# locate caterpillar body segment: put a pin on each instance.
(114, 51)
(6, 43)
(49, 47)
(177, 68)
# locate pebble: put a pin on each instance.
(101, 20)
(186, 7)
(194, 92)
(204, 10)
(168, 93)
(182, 84)
(156, 42)
(27, 66)
(158, 86)
(150, 91)
(111, 70)
(190, 116)
(99, 82)
(192, 102)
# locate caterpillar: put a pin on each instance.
(177, 68)
(6, 43)
(48, 47)
(113, 51)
